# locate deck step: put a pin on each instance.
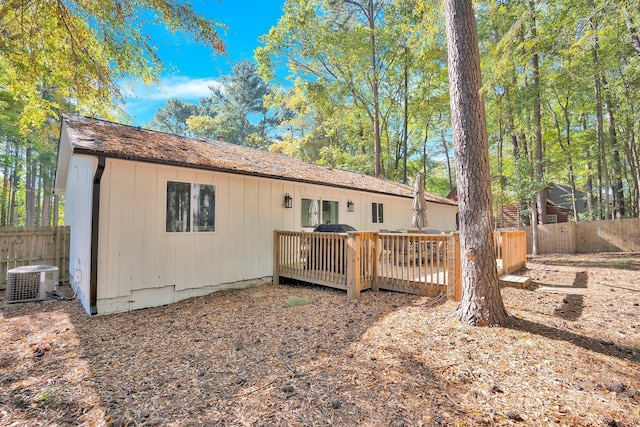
(515, 281)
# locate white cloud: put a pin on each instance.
(142, 101)
(179, 87)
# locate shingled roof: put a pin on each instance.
(99, 137)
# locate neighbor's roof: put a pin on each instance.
(100, 137)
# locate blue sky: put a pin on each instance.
(191, 68)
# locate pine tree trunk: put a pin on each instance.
(374, 86)
(29, 190)
(537, 119)
(448, 160)
(56, 209)
(501, 177)
(405, 119)
(603, 171)
(14, 184)
(616, 184)
(634, 162)
(481, 303)
(5, 185)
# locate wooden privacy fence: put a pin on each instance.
(619, 235)
(511, 250)
(421, 264)
(21, 246)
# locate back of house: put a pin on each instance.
(156, 218)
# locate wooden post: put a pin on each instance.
(56, 242)
(454, 269)
(375, 284)
(276, 257)
(353, 265)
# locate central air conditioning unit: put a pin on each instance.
(31, 283)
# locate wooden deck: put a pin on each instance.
(421, 264)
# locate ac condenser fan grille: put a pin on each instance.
(23, 287)
(31, 283)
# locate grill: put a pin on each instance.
(333, 228)
(328, 254)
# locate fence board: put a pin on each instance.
(21, 246)
(620, 235)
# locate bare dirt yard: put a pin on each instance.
(570, 356)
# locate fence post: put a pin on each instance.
(56, 243)
(454, 268)
(353, 265)
(276, 257)
(375, 284)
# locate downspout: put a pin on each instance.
(95, 222)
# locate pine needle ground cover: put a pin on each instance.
(570, 356)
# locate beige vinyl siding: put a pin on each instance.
(138, 255)
(78, 200)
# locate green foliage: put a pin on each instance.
(71, 55)
(235, 110)
(82, 49)
(326, 49)
(173, 116)
(579, 45)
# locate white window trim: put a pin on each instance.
(191, 231)
(320, 200)
(378, 204)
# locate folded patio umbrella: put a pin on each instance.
(419, 205)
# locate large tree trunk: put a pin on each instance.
(616, 182)
(537, 120)
(445, 148)
(589, 182)
(371, 17)
(14, 184)
(368, 8)
(565, 145)
(405, 118)
(56, 209)
(6, 166)
(481, 303)
(603, 171)
(29, 187)
(633, 159)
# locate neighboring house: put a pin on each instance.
(512, 215)
(559, 207)
(560, 196)
(156, 218)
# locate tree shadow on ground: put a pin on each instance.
(571, 308)
(580, 281)
(607, 348)
(613, 260)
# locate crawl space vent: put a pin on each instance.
(31, 283)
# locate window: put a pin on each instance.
(552, 219)
(190, 207)
(315, 212)
(377, 216)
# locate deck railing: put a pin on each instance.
(415, 263)
(329, 259)
(422, 264)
